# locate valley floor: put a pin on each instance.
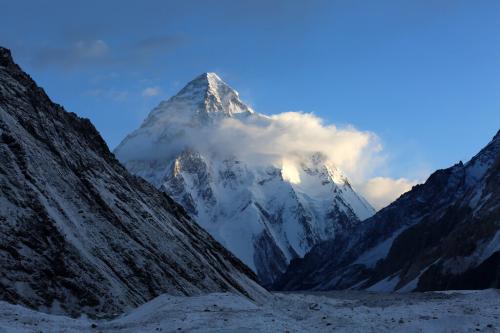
(344, 311)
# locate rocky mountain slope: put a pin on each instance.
(444, 234)
(251, 205)
(78, 233)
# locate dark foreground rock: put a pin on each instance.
(78, 233)
(443, 234)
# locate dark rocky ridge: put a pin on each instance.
(78, 233)
(443, 234)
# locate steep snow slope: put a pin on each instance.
(444, 234)
(263, 212)
(78, 233)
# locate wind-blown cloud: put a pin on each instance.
(293, 134)
(289, 136)
(381, 191)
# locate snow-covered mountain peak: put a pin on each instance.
(201, 102)
(203, 86)
(216, 95)
(264, 211)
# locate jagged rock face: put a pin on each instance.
(444, 234)
(250, 207)
(78, 233)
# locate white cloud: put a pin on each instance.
(282, 140)
(289, 135)
(151, 91)
(381, 191)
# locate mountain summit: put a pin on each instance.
(217, 96)
(201, 102)
(266, 211)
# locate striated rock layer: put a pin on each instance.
(444, 234)
(78, 233)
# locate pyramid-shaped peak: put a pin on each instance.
(204, 100)
(215, 95)
(206, 78)
(209, 83)
(212, 76)
(208, 75)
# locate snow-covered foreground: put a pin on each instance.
(346, 311)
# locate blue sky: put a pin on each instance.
(423, 75)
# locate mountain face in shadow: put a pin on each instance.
(81, 234)
(443, 234)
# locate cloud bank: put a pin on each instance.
(380, 191)
(290, 135)
(264, 140)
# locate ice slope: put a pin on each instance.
(252, 207)
(348, 312)
(444, 234)
(78, 233)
